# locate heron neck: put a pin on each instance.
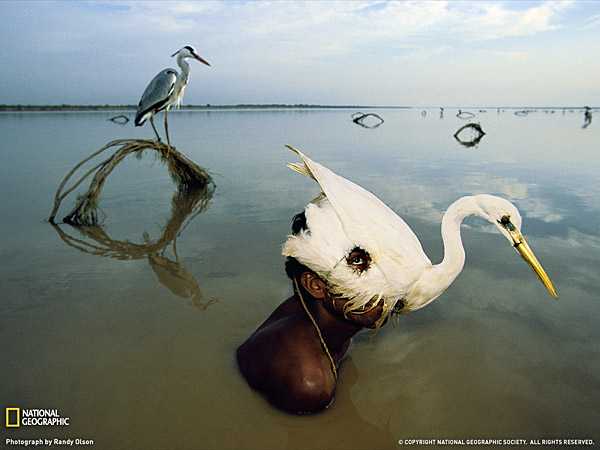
(439, 277)
(454, 252)
(185, 69)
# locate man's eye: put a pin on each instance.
(358, 259)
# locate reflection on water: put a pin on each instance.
(178, 280)
(109, 343)
(185, 206)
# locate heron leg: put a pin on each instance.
(154, 128)
(167, 127)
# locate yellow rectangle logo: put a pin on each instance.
(16, 413)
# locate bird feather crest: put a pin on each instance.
(302, 168)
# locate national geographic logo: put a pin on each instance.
(19, 417)
(13, 417)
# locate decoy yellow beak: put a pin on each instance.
(521, 245)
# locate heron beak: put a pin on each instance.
(521, 246)
(203, 61)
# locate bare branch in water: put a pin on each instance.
(186, 174)
(121, 119)
(359, 117)
(522, 113)
(478, 135)
(465, 115)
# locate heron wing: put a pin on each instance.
(157, 94)
(371, 224)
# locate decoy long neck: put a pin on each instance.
(454, 252)
(437, 278)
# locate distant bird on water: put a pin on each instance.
(165, 90)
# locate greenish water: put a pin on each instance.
(139, 353)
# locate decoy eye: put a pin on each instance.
(359, 259)
(398, 306)
(506, 223)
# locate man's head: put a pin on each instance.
(363, 250)
(373, 314)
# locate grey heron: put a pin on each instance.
(165, 90)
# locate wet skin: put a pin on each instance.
(284, 359)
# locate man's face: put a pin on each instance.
(368, 317)
(371, 315)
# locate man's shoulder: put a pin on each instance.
(285, 361)
(299, 375)
(282, 342)
(306, 389)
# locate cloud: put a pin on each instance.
(592, 22)
(280, 51)
(495, 21)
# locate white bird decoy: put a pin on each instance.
(166, 90)
(346, 217)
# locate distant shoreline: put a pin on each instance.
(208, 107)
(65, 107)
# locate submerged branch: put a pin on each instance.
(464, 114)
(359, 117)
(186, 174)
(121, 119)
(476, 138)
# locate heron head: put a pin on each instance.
(501, 213)
(189, 52)
(505, 216)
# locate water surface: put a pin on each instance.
(139, 352)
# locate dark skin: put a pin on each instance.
(284, 358)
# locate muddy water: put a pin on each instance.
(139, 351)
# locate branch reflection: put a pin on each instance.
(170, 272)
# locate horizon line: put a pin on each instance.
(17, 106)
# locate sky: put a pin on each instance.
(538, 53)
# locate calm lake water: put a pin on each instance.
(139, 352)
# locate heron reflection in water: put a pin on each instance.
(171, 273)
